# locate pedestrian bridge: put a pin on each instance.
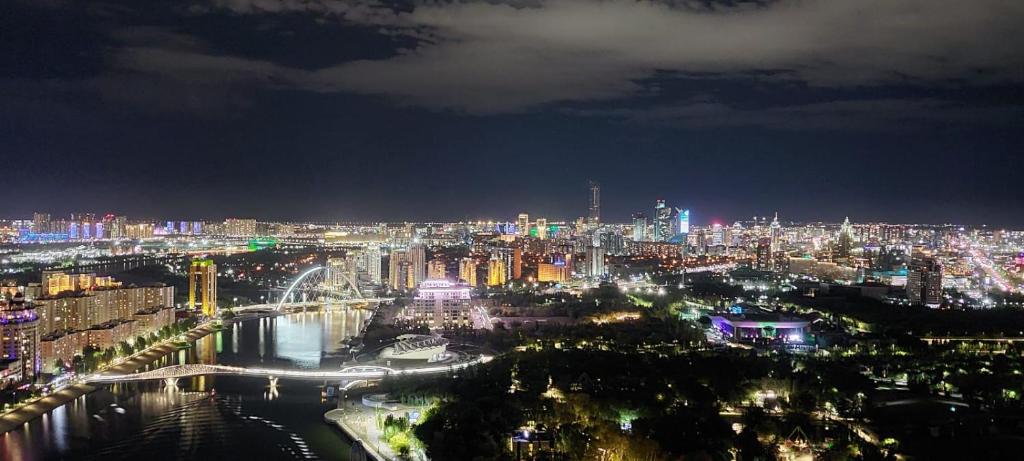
(352, 373)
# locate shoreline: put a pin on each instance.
(18, 418)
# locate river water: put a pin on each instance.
(212, 417)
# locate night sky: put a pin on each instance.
(905, 111)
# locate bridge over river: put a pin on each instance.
(349, 374)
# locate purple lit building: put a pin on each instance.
(19, 337)
(761, 325)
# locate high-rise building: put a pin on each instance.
(595, 262)
(41, 222)
(542, 228)
(517, 263)
(398, 269)
(243, 228)
(844, 246)
(202, 280)
(924, 282)
(341, 276)
(683, 220)
(497, 273)
(436, 269)
(19, 335)
(523, 224)
(371, 257)
(775, 234)
(417, 265)
(664, 224)
(639, 227)
(467, 271)
(594, 216)
(763, 257)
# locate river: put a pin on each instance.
(208, 417)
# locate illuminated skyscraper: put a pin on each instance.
(763, 255)
(202, 280)
(19, 335)
(398, 270)
(41, 222)
(663, 222)
(924, 282)
(683, 226)
(467, 271)
(523, 224)
(844, 245)
(496, 273)
(244, 228)
(436, 269)
(341, 276)
(595, 262)
(371, 257)
(639, 227)
(775, 233)
(542, 228)
(595, 204)
(417, 265)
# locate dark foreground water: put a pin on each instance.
(221, 417)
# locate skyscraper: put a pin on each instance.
(595, 204)
(202, 280)
(371, 256)
(496, 271)
(595, 261)
(639, 227)
(775, 234)
(542, 228)
(417, 265)
(436, 269)
(467, 271)
(683, 226)
(924, 282)
(844, 245)
(398, 269)
(663, 222)
(523, 224)
(19, 334)
(763, 257)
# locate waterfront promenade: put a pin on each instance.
(16, 418)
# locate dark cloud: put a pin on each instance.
(488, 57)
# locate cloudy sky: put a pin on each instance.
(904, 111)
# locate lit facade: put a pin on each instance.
(202, 281)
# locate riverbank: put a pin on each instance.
(17, 418)
(337, 418)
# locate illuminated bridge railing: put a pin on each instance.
(363, 372)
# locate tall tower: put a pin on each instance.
(372, 263)
(639, 227)
(398, 269)
(417, 265)
(595, 204)
(202, 278)
(775, 233)
(845, 244)
(467, 271)
(523, 224)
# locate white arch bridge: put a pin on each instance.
(350, 374)
(321, 285)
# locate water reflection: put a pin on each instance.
(245, 418)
